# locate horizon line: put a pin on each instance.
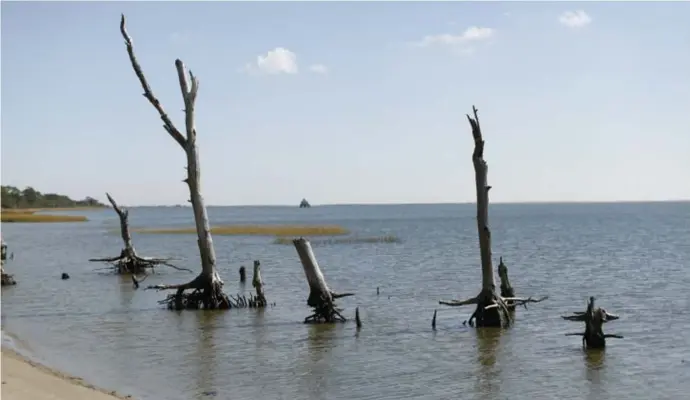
(529, 202)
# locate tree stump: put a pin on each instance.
(594, 318)
(321, 298)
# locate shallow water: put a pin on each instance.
(633, 257)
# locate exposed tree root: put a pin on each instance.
(128, 262)
(208, 294)
(594, 318)
(492, 310)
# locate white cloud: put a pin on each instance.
(318, 69)
(277, 61)
(574, 19)
(471, 34)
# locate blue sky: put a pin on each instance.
(350, 103)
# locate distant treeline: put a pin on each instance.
(13, 197)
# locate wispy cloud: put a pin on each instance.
(575, 19)
(471, 34)
(318, 69)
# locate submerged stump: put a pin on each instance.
(321, 298)
(594, 318)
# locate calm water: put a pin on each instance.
(633, 257)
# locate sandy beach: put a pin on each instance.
(24, 379)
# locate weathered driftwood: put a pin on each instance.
(128, 262)
(594, 318)
(492, 309)
(243, 274)
(207, 286)
(321, 298)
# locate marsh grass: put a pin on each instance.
(30, 216)
(345, 240)
(257, 230)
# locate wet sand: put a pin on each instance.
(23, 379)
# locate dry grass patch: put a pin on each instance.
(346, 240)
(258, 230)
(31, 217)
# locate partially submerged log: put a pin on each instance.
(594, 318)
(128, 262)
(207, 286)
(492, 308)
(321, 298)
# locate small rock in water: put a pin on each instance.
(65, 276)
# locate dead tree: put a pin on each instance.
(594, 318)
(492, 308)
(128, 262)
(321, 298)
(207, 286)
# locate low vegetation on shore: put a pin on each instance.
(257, 230)
(32, 199)
(22, 206)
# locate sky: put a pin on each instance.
(354, 102)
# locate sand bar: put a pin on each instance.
(23, 379)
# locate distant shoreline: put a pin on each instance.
(423, 204)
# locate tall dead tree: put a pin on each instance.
(594, 318)
(321, 298)
(128, 262)
(207, 286)
(492, 308)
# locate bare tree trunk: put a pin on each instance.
(594, 319)
(208, 287)
(258, 283)
(128, 262)
(492, 309)
(321, 298)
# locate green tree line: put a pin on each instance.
(13, 197)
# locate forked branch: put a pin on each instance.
(148, 93)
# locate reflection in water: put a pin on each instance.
(207, 321)
(316, 368)
(488, 378)
(126, 291)
(595, 366)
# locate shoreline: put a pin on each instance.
(25, 379)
